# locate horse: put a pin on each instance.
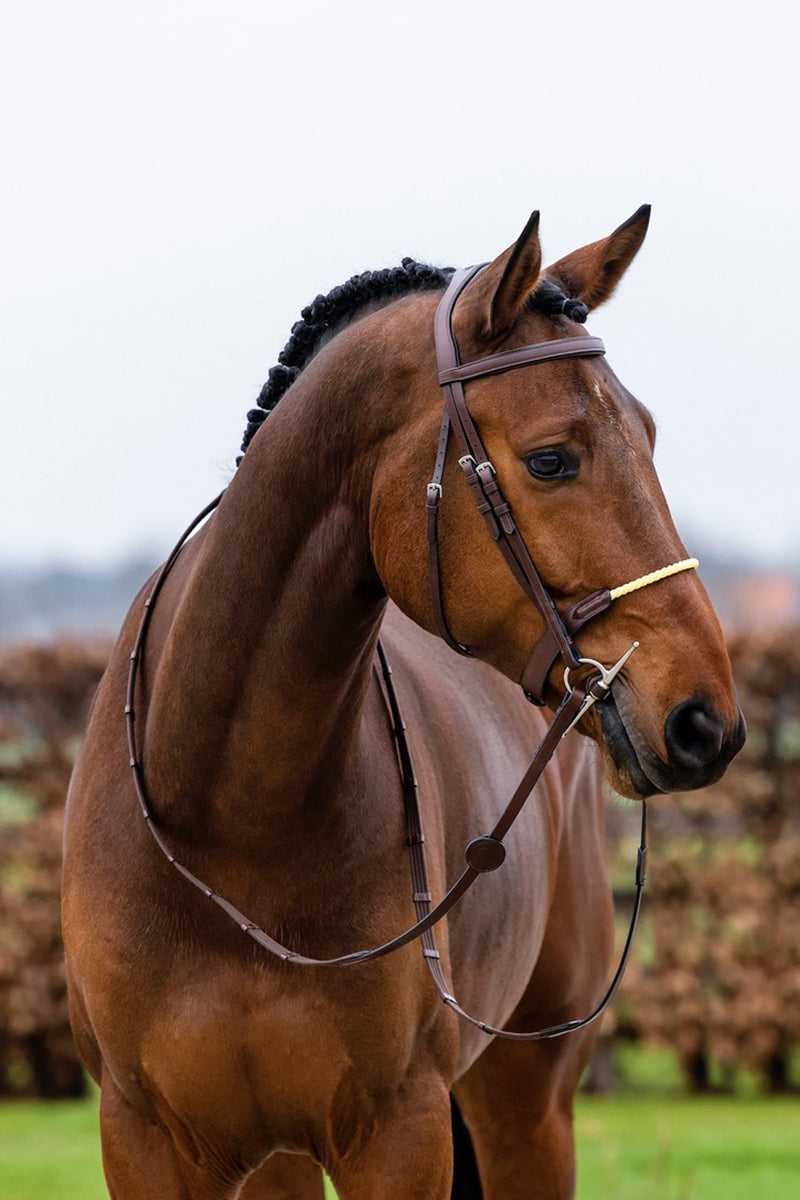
(271, 767)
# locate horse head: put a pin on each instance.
(572, 449)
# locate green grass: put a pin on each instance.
(688, 1148)
(629, 1148)
(50, 1150)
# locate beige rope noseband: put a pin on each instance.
(686, 564)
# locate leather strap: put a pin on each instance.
(485, 853)
(546, 651)
(537, 352)
(554, 1031)
(432, 506)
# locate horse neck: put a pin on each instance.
(260, 684)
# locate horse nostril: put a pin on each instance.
(693, 734)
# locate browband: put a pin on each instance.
(537, 352)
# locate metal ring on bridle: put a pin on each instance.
(589, 662)
(607, 674)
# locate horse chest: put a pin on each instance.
(270, 1060)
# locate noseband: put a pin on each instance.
(487, 852)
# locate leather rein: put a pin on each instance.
(487, 852)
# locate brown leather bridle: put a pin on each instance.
(486, 852)
(492, 505)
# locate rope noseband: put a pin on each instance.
(487, 852)
(686, 564)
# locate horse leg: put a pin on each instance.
(408, 1153)
(140, 1160)
(517, 1102)
(285, 1177)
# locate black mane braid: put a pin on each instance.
(325, 314)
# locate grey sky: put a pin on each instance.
(179, 179)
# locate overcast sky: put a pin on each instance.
(180, 179)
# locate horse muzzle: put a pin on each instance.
(698, 744)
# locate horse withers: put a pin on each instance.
(272, 774)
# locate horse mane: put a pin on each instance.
(326, 315)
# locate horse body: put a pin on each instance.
(270, 762)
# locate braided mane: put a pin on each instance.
(325, 315)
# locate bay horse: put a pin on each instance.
(272, 772)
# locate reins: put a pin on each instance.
(487, 852)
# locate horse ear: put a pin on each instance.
(491, 304)
(591, 273)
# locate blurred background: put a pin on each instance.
(180, 179)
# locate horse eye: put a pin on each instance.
(552, 464)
